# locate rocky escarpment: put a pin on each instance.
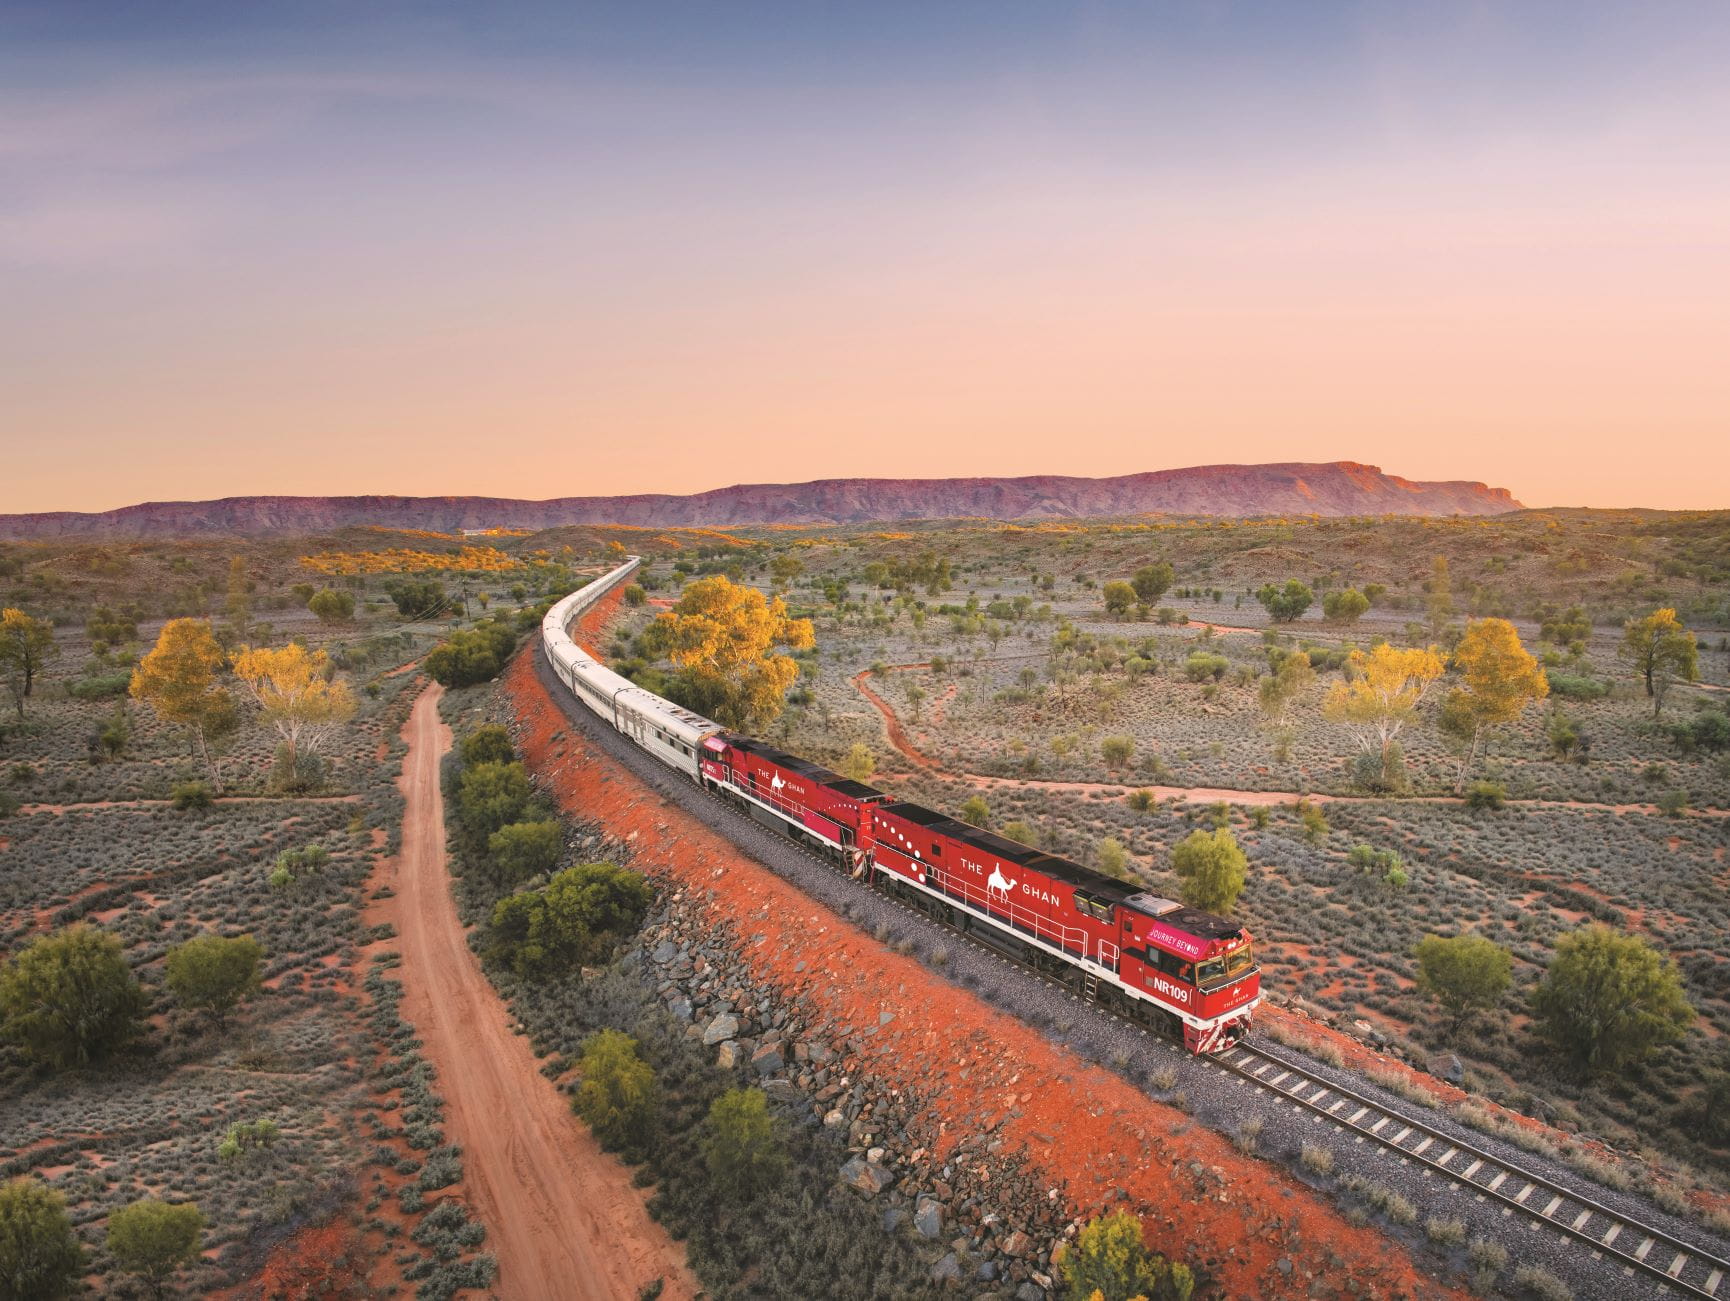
(1298, 488)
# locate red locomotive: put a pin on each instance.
(1183, 970)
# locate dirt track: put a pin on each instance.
(562, 1216)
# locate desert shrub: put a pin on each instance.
(1109, 1259)
(1541, 1284)
(1488, 1259)
(69, 999)
(1204, 666)
(1574, 687)
(417, 598)
(332, 606)
(859, 763)
(1708, 730)
(1112, 858)
(575, 921)
(976, 811)
(248, 1137)
(743, 1153)
(521, 850)
(191, 795)
(1213, 869)
(489, 743)
(1464, 973)
(1117, 750)
(471, 655)
(492, 795)
(1672, 803)
(1445, 1232)
(1315, 822)
(214, 973)
(153, 1239)
(99, 688)
(1317, 1160)
(1020, 832)
(617, 1096)
(1248, 1135)
(1345, 606)
(1486, 795)
(1286, 604)
(39, 1253)
(1609, 999)
(1140, 800)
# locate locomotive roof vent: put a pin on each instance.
(1152, 905)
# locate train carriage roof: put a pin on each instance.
(804, 767)
(1106, 889)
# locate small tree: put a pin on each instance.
(723, 637)
(296, 696)
(1609, 999)
(1387, 686)
(1117, 750)
(69, 999)
(860, 763)
(1464, 973)
(332, 606)
(577, 920)
(1283, 686)
(520, 850)
(26, 644)
(1286, 604)
(214, 973)
(1661, 651)
(154, 1239)
(39, 1252)
(1020, 833)
(177, 679)
(1108, 1260)
(489, 743)
(417, 598)
(1119, 598)
(976, 811)
(1152, 582)
(617, 1095)
(1502, 680)
(740, 1146)
(492, 795)
(1213, 869)
(1345, 606)
(1112, 857)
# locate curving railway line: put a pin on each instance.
(1617, 1240)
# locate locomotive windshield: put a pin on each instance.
(1222, 971)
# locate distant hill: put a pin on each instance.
(1328, 488)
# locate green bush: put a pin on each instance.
(191, 795)
(521, 850)
(1609, 999)
(39, 1253)
(1575, 687)
(1109, 1259)
(1203, 666)
(332, 606)
(100, 688)
(492, 795)
(1464, 973)
(154, 1239)
(1213, 869)
(214, 974)
(617, 1096)
(740, 1146)
(69, 999)
(1486, 795)
(577, 920)
(489, 743)
(473, 655)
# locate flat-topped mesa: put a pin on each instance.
(1332, 488)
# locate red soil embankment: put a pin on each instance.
(562, 1216)
(1086, 1130)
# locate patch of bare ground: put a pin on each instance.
(563, 1218)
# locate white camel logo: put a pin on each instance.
(999, 884)
(775, 782)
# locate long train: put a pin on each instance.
(1187, 972)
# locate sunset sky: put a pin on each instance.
(542, 250)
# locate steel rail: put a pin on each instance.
(1392, 1128)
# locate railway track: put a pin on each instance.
(1610, 1235)
(1616, 1239)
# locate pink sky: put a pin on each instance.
(437, 273)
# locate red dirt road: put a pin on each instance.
(562, 1216)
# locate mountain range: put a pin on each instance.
(1324, 488)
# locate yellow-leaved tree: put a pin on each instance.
(1385, 689)
(178, 679)
(1502, 679)
(723, 636)
(297, 696)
